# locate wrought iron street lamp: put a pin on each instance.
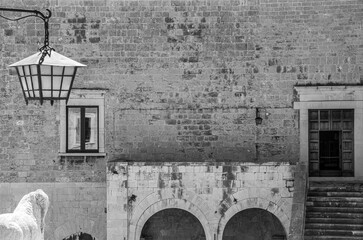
(46, 75)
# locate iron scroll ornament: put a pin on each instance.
(46, 75)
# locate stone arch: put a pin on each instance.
(80, 236)
(173, 223)
(70, 228)
(249, 203)
(254, 223)
(167, 199)
(276, 200)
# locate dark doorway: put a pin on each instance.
(331, 141)
(254, 224)
(172, 224)
(80, 236)
(330, 153)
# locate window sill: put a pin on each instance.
(82, 154)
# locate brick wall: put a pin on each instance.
(166, 63)
(205, 134)
(184, 80)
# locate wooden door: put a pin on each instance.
(331, 142)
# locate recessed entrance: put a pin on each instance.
(172, 224)
(330, 152)
(331, 143)
(254, 224)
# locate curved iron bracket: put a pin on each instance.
(35, 12)
(45, 49)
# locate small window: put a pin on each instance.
(82, 123)
(82, 129)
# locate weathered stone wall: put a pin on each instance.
(212, 192)
(204, 134)
(184, 79)
(74, 207)
(163, 58)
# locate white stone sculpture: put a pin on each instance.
(27, 220)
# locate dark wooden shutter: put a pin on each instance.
(347, 143)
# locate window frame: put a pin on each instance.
(83, 97)
(82, 127)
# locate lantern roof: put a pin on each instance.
(53, 59)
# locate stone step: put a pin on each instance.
(332, 238)
(336, 194)
(334, 215)
(334, 204)
(336, 189)
(334, 226)
(334, 220)
(334, 209)
(343, 185)
(330, 232)
(334, 199)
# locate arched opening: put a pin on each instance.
(172, 224)
(80, 236)
(254, 224)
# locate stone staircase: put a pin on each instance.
(334, 210)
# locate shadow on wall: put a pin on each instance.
(176, 224)
(80, 236)
(254, 224)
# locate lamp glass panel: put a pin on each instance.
(29, 82)
(57, 82)
(36, 86)
(46, 94)
(46, 82)
(20, 69)
(34, 69)
(35, 82)
(45, 70)
(64, 94)
(66, 83)
(27, 70)
(55, 93)
(69, 71)
(36, 93)
(57, 70)
(23, 83)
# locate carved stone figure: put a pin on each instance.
(27, 220)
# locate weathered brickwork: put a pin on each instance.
(205, 135)
(177, 64)
(184, 79)
(211, 192)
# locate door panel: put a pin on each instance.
(331, 142)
